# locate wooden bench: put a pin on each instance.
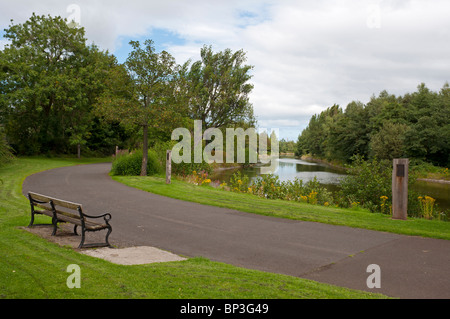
(68, 212)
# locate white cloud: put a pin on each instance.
(307, 55)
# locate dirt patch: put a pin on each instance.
(120, 255)
(64, 235)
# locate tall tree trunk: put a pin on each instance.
(78, 150)
(144, 151)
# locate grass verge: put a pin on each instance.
(353, 217)
(31, 267)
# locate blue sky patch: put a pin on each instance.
(162, 39)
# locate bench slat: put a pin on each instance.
(44, 212)
(76, 221)
(56, 201)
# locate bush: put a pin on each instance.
(367, 183)
(130, 164)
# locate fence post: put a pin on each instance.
(400, 188)
(168, 166)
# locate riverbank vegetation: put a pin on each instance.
(368, 185)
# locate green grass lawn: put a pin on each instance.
(31, 267)
(358, 217)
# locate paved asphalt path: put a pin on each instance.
(411, 267)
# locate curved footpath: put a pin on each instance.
(411, 267)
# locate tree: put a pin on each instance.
(49, 78)
(219, 88)
(287, 146)
(389, 141)
(350, 133)
(143, 93)
(316, 137)
(5, 150)
(429, 116)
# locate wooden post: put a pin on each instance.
(400, 188)
(168, 166)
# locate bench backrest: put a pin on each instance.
(56, 202)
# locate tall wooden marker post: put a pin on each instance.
(168, 166)
(400, 188)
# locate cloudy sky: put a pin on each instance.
(307, 55)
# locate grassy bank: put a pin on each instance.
(31, 267)
(357, 217)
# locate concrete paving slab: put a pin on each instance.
(133, 255)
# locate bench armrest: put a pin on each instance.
(35, 201)
(106, 216)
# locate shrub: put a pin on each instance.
(130, 164)
(238, 183)
(367, 182)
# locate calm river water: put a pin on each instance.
(288, 168)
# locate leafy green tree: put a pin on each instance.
(385, 107)
(5, 150)
(143, 93)
(316, 139)
(49, 79)
(287, 146)
(429, 117)
(302, 148)
(219, 88)
(389, 141)
(443, 112)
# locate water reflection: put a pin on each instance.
(289, 169)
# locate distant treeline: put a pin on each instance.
(416, 125)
